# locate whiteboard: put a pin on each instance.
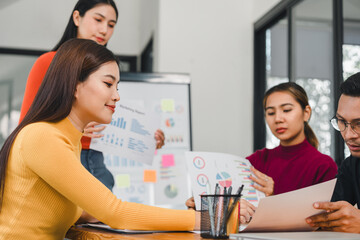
(166, 97)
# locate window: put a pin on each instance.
(315, 44)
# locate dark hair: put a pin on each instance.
(301, 97)
(82, 6)
(351, 86)
(75, 60)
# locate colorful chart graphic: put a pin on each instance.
(119, 122)
(171, 191)
(174, 139)
(202, 180)
(170, 122)
(224, 179)
(199, 163)
(136, 127)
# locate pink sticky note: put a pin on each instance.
(168, 160)
(155, 152)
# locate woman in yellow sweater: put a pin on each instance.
(44, 188)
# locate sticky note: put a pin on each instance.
(122, 180)
(167, 105)
(150, 176)
(167, 160)
(155, 152)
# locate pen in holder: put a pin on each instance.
(219, 215)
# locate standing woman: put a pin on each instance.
(94, 20)
(43, 186)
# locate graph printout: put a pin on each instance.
(225, 169)
(129, 135)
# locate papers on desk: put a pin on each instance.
(130, 133)
(287, 211)
(225, 169)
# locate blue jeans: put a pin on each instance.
(93, 161)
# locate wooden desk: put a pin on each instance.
(80, 233)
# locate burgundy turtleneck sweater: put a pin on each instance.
(294, 167)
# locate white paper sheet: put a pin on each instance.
(288, 211)
(224, 169)
(130, 134)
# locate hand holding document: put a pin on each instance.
(288, 211)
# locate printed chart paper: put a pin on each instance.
(129, 135)
(225, 169)
(287, 211)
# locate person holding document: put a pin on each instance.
(295, 163)
(95, 20)
(43, 186)
(340, 215)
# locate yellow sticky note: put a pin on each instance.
(150, 176)
(167, 105)
(122, 180)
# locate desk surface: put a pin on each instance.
(79, 233)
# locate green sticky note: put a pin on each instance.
(122, 180)
(167, 105)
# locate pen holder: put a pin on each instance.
(219, 215)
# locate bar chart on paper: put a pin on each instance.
(118, 122)
(136, 127)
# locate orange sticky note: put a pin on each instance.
(150, 176)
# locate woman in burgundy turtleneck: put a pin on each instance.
(295, 163)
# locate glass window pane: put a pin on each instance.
(14, 70)
(312, 62)
(276, 64)
(351, 46)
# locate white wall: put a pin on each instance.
(213, 42)
(209, 39)
(39, 24)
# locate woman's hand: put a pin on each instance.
(160, 138)
(266, 183)
(247, 210)
(91, 130)
(190, 203)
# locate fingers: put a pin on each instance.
(331, 216)
(265, 183)
(330, 206)
(160, 138)
(247, 210)
(190, 203)
(248, 204)
(91, 129)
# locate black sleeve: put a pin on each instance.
(344, 185)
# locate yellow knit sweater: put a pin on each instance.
(46, 188)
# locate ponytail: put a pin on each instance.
(310, 135)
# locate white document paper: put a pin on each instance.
(288, 211)
(225, 169)
(129, 135)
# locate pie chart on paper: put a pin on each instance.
(224, 179)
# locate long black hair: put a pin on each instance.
(75, 60)
(82, 6)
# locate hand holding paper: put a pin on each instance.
(339, 216)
